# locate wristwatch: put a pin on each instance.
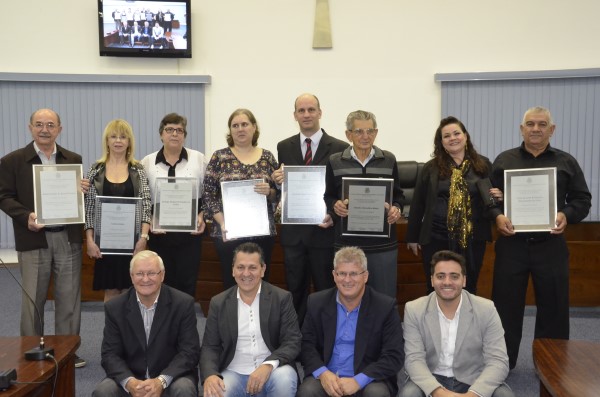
(146, 236)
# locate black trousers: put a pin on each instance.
(546, 259)
(301, 264)
(181, 254)
(225, 253)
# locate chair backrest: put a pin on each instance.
(408, 173)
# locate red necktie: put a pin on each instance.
(308, 155)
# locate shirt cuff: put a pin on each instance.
(316, 373)
(124, 383)
(362, 380)
(168, 379)
(273, 363)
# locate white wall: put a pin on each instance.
(259, 54)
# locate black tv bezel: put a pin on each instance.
(146, 52)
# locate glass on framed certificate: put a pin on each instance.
(58, 199)
(175, 204)
(118, 223)
(530, 199)
(244, 210)
(366, 206)
(302, 195)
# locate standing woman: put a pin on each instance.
(180, 252)
(447, 211)
(116, 174)
(242, 159)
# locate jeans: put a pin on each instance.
(282, 382)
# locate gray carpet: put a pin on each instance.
(585, 323)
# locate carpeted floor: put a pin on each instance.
(585, 323)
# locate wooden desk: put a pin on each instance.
(567, 368)
(12, 355)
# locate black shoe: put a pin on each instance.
(79, 362)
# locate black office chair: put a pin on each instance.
(409, 173)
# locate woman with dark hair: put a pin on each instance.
(447, 209)
(242, 159)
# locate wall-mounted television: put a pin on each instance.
(149, 28)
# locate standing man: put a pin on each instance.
(453, 340)
(365, 160)
(307, 249)
(151, 345)
(544, 255)
(252, 338)
(352, 336)
(42, 251)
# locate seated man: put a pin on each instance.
(146, 33)
(151, 344)
(125, 33)
(454, 341)
(136, 33)
(351, 335)
(252, 336)
(158, 35)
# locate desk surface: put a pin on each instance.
(12, 355)
(567, 367)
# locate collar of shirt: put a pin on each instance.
(448, 329)
(42, 156)
(314, 142)
(144, 306)
(160, 156)
(369, 157)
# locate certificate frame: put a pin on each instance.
(58, 201)
(123, 240)
(245, 211)
(303, 184)
(530, 199)
(169, 211)
(349, 184)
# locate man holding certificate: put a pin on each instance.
(43, 250)
(543, 254)
(364, 160)
(307, 249)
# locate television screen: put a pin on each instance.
(149, 28)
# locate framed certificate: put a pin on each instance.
(175, 204)
(244, 210)
(366, 209)
(58, 199)
(118, 223)
(530, 199)
(302, 195)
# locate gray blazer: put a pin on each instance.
(480, 358)
(278, 326)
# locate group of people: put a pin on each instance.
(347, 335)
(164, 19)
(150, 35)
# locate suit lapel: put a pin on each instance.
(296, 150)
(232, 316)
(362, 329)
(322, 149)
(432, 322)
(134, 318)
(163, 307)
(264, 310)
(464, 322)
(329, 319)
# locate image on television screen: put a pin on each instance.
(150, 28)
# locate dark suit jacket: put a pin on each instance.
(174, 344)
(16, 194)
(278, 326)
(289, 152)
(379, 348)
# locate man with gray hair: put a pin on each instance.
(352, 335)
(151, 345)
(544, 255)
(365, 160)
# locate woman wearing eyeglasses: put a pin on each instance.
(117, 173)
(180, 251)
(447, 210)
(242, 159)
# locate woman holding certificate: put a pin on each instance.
(179, 166)
(241, 160)
(447, 209)
(116, 174)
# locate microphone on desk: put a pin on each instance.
(42, 351)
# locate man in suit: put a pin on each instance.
(307, 249)
(352, 335)
(151, 345)
(146, 32)
(252, 337)
(43, 250)
(136, 33)
(453, 340)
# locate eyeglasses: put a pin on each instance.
(353, 275)
(178, 131)
(240, 125)
(360, 131)
(40, 126)
(151, 275)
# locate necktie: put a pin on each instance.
(308, 155)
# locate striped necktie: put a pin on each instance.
(308, 155)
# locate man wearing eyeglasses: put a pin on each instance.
(151, 345)
(352, 335)
(365, 160)
(42, 251)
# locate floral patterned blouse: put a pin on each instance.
(224, 166)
